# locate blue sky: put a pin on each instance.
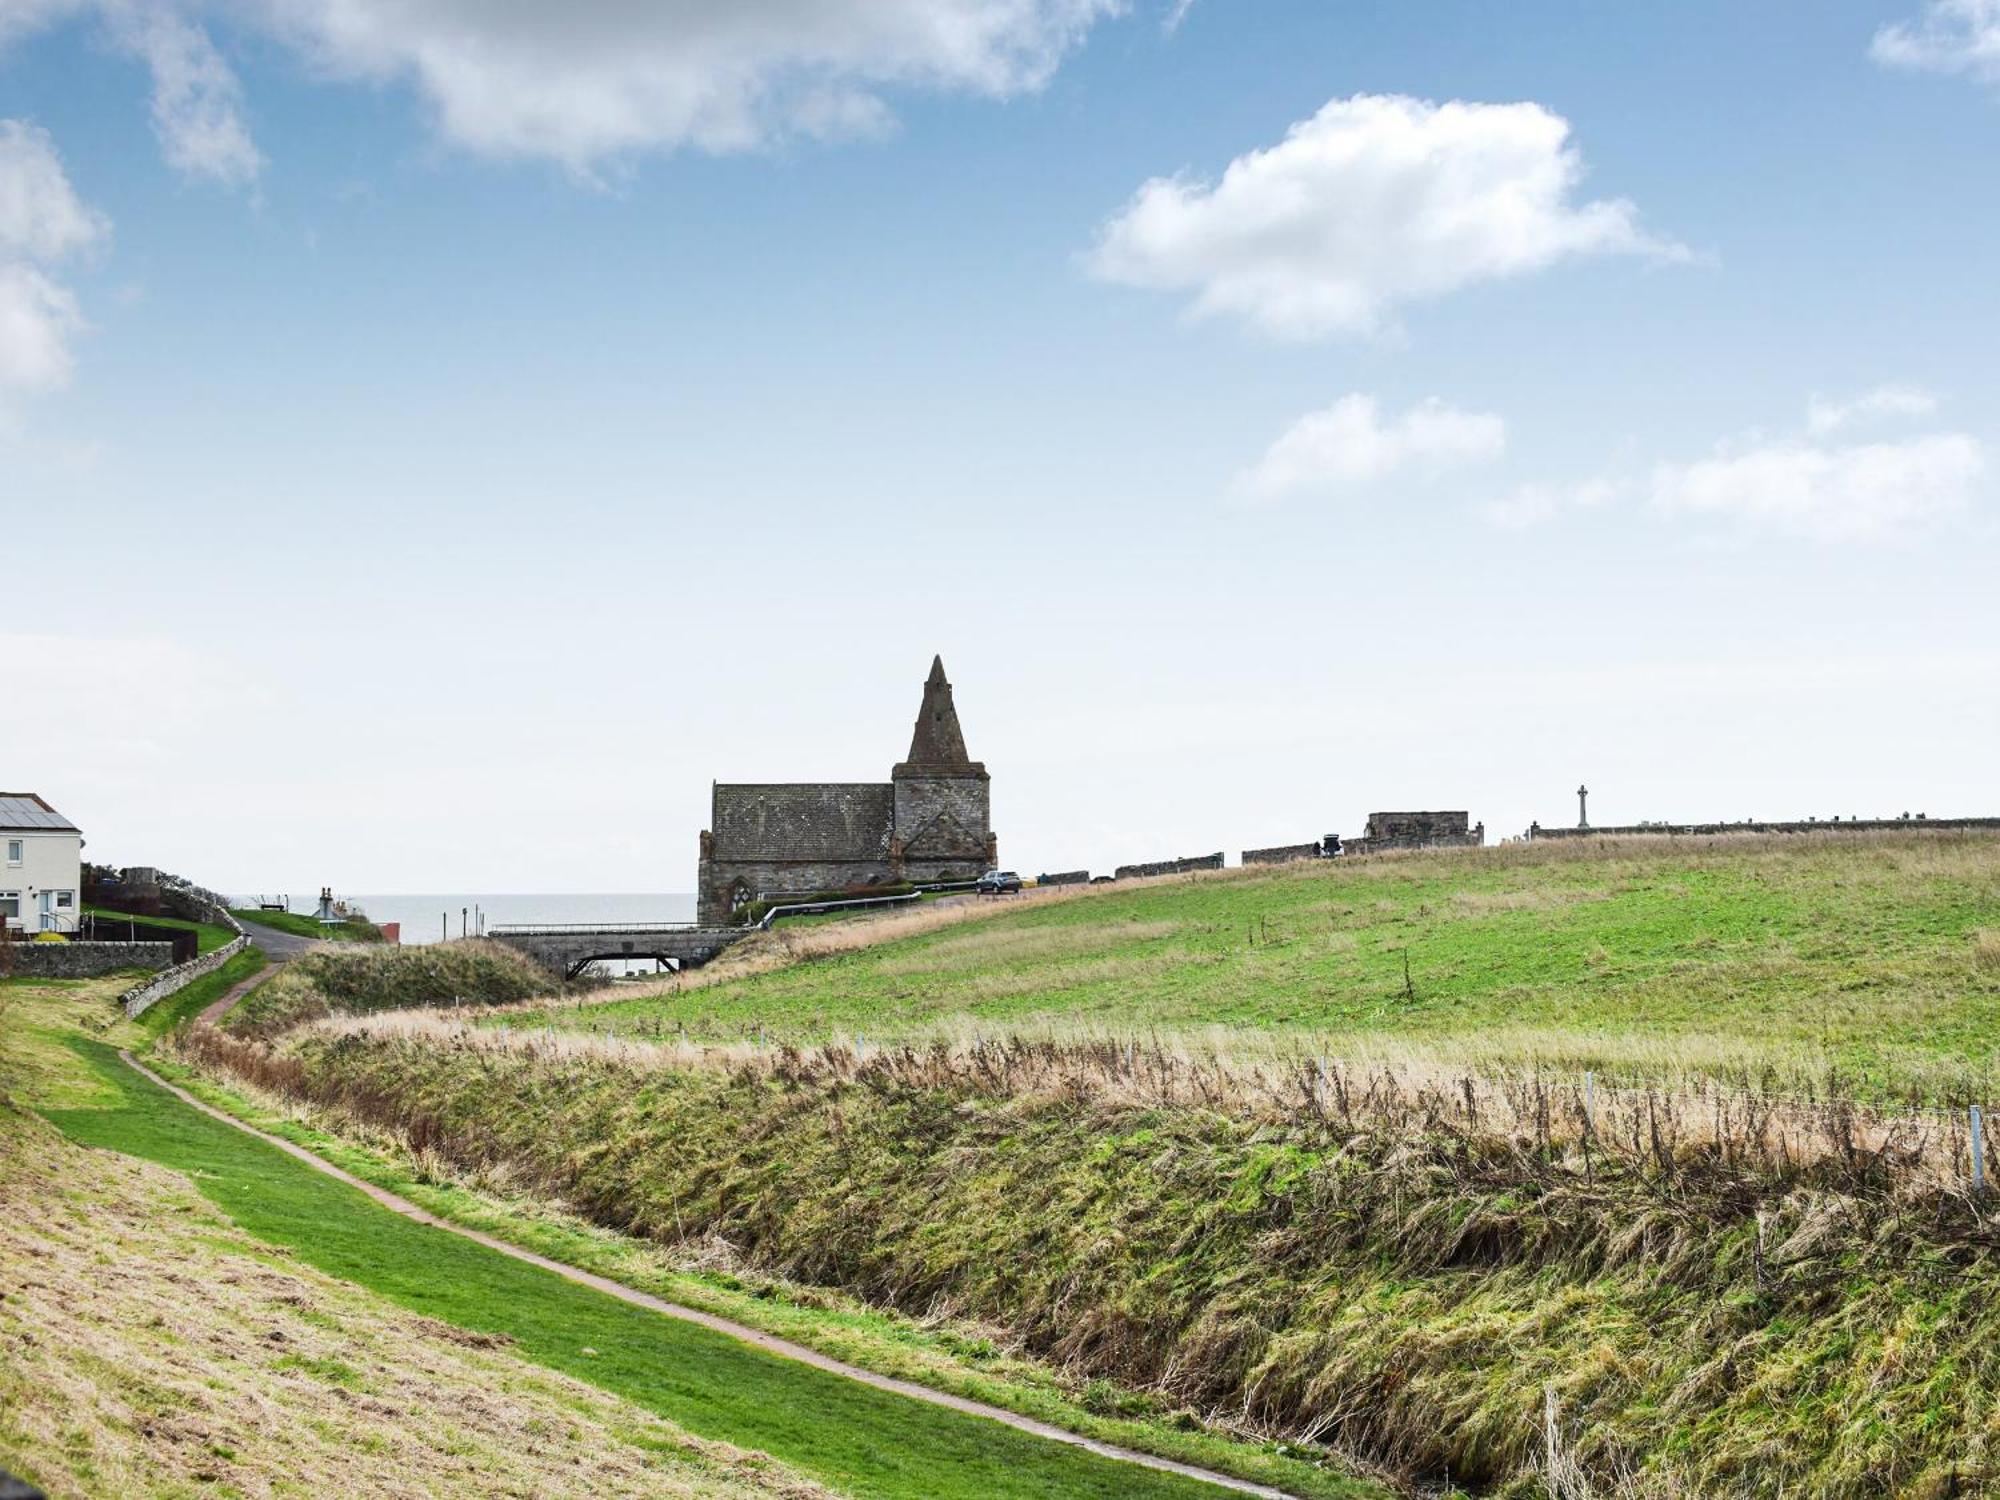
(475, 432)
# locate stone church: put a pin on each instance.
(929, 821)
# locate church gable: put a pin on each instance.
(944, 837)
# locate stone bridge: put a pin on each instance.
(567, 950)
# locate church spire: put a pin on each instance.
(938, 743)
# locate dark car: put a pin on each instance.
(999, 883)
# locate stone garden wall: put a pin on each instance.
(74, 960)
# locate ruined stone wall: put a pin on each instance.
(1856, 825)
(1283, 854)
(1067, 877)
(1416, 830)
(1183, 866)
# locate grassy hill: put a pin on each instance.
(1876, 955)
(1309, 1151)
(154, 1347)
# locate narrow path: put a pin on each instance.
(279, 948)
(213, 1013)
(756, 1338)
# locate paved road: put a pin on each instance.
(280, 947)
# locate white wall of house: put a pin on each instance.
(38, 861)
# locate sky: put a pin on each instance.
(438, 440)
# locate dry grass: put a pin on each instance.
(149, 1348)
(1986, 948)
(784, 946)
(1575, 1124)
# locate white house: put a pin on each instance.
(41, 865)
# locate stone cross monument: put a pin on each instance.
(1582, 806)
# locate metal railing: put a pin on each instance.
(820, 908)
(585, 929)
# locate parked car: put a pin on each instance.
(999, 883)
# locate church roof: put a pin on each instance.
(938, 744)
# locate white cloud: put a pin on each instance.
(591, 79)
(1349, 444)
(1536, 504)
(41, 217)
(1372, 203)
(197, 102)
(1824, 417)
(1855, 492)
(42, 222)
(1950, 36)
(594, 78)
(1816, 482)
(37, 320)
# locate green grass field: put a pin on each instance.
(861, 1441)
(298, 924)
(1876, 955)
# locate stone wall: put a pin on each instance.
(193, 903)
(941, 830)
(1417, 830)
(86, 960)
(1067, 877)
(1282, 855)
(140, 997)
(1183, 866)
(1850, 825)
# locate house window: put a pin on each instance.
(65, 900)
(13, 851)
(10, 906)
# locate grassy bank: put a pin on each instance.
(353, 930)
(190, 1001)
(1412, 1294)
(359, 981)
(265, 1377)
(859, 1440)
(1877, 955)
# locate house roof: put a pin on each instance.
(24, 812)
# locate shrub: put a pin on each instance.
(360, 980)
